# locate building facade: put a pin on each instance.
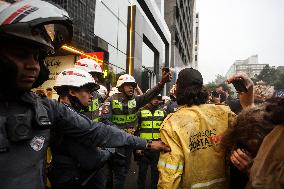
(250, 66)
(195, 49)
(179, 15)
(132, 34)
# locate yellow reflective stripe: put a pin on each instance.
(206, 184)
(151, 124)
(48, 156)
(146, 113)
(116, 104)
(123, 118)
(157, 124)
(156, 136)
(132, 103)
(178, 167)
(159, 113)
(146, 136)
(146, 124)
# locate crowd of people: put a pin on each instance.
(194, 138)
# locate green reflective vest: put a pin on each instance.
(150, 124)
(93, 109)
(124, 113)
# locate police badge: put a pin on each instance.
(37, 143)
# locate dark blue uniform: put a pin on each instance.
(23, 144)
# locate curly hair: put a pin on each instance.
(191, 95)
(252, 125)
(275, 111)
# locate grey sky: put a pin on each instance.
(237, 29)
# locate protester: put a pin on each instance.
(194, 133)
(258, 133)
(262, 92)
(171, 105)
(224, 91)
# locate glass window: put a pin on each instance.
(148, 74)
(117, 65)
(106, 24)
(123, 10)
(122, 37)
(112, 5)
(147, 57)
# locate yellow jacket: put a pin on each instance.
(196, 159)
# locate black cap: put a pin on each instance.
(189, 76)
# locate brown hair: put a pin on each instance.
(248, 131)
(191, 95)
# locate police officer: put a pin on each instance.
(29, 30)
(93, 68)
(150, 117)
(120, 109)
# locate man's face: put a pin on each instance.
(84, 95)
(128, 89)
(26, 62)
(155, 102)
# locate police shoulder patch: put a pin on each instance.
(37, 143)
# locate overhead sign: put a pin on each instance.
(98, 56)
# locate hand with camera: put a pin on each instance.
(157, 145)
(244, 86)
(166, 75)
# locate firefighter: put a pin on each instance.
(72, 163)
(120, 109)
(150, 117)
(93, 68)
(29, 31)
(194, 133)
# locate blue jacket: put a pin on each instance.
(22, 161)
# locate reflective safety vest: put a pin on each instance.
(93, 109)
(150, 124)
(124, 113)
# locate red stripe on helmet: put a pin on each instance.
(15, 14)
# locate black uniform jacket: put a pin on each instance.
(25, 123)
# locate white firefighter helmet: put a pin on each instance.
(103, 91)
(35, 22)
(126, 78)
(88, 65)
(74, 77)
